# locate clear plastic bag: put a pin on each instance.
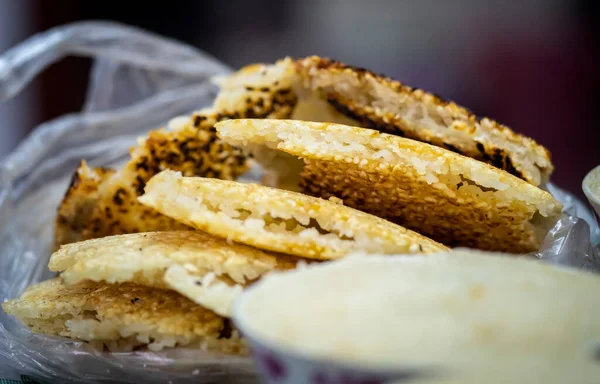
(138, 82)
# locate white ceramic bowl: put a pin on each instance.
(277, 365)
(447, 318)
(591, 189)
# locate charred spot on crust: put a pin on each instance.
(498, 158)
(142, 164)
(283, 91)
(226, 331)
(503, 158)
(172, 158)
(279, 100)
(198, 119)
(480, 147)
(510, 168)
(240, 159)
(74, 182)
(453, 148)
(119, 195)
(140, 184)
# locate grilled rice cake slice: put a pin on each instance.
(389, 106)
(192, 148)
(278, 220)
(454, 199)
(122, 316)
(325, 90)
(205, 268)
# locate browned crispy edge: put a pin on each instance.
(488, 153)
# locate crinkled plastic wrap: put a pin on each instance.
(138, 82)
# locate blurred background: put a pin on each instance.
(529, 64)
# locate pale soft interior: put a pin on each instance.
(117, 336)
(284, 169)
(292, 225)
(150, 269)
(452, 177)
(422, 117)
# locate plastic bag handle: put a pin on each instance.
(184, 75)
(19, 65)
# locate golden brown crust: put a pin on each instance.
(436, 215)
(258, 91)
(324, 90)
(47, 307)
(278, 220)
(143, 258)
(450, 198)
(489, 141)
(102, 203)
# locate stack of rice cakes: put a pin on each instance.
(454, 199)
(152, 255)
(193, 244)
(396, 152)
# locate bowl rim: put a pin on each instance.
(593, 197)
(402, 371)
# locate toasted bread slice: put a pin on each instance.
(122, 317)
(277, 220)
(200, 266)
(102, 203)
(329, 91)
(454, 199)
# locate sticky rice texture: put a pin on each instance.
(187, 261)
(278, 220)
(451, 198)
(122, 317)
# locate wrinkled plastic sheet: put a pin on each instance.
(138, 82)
